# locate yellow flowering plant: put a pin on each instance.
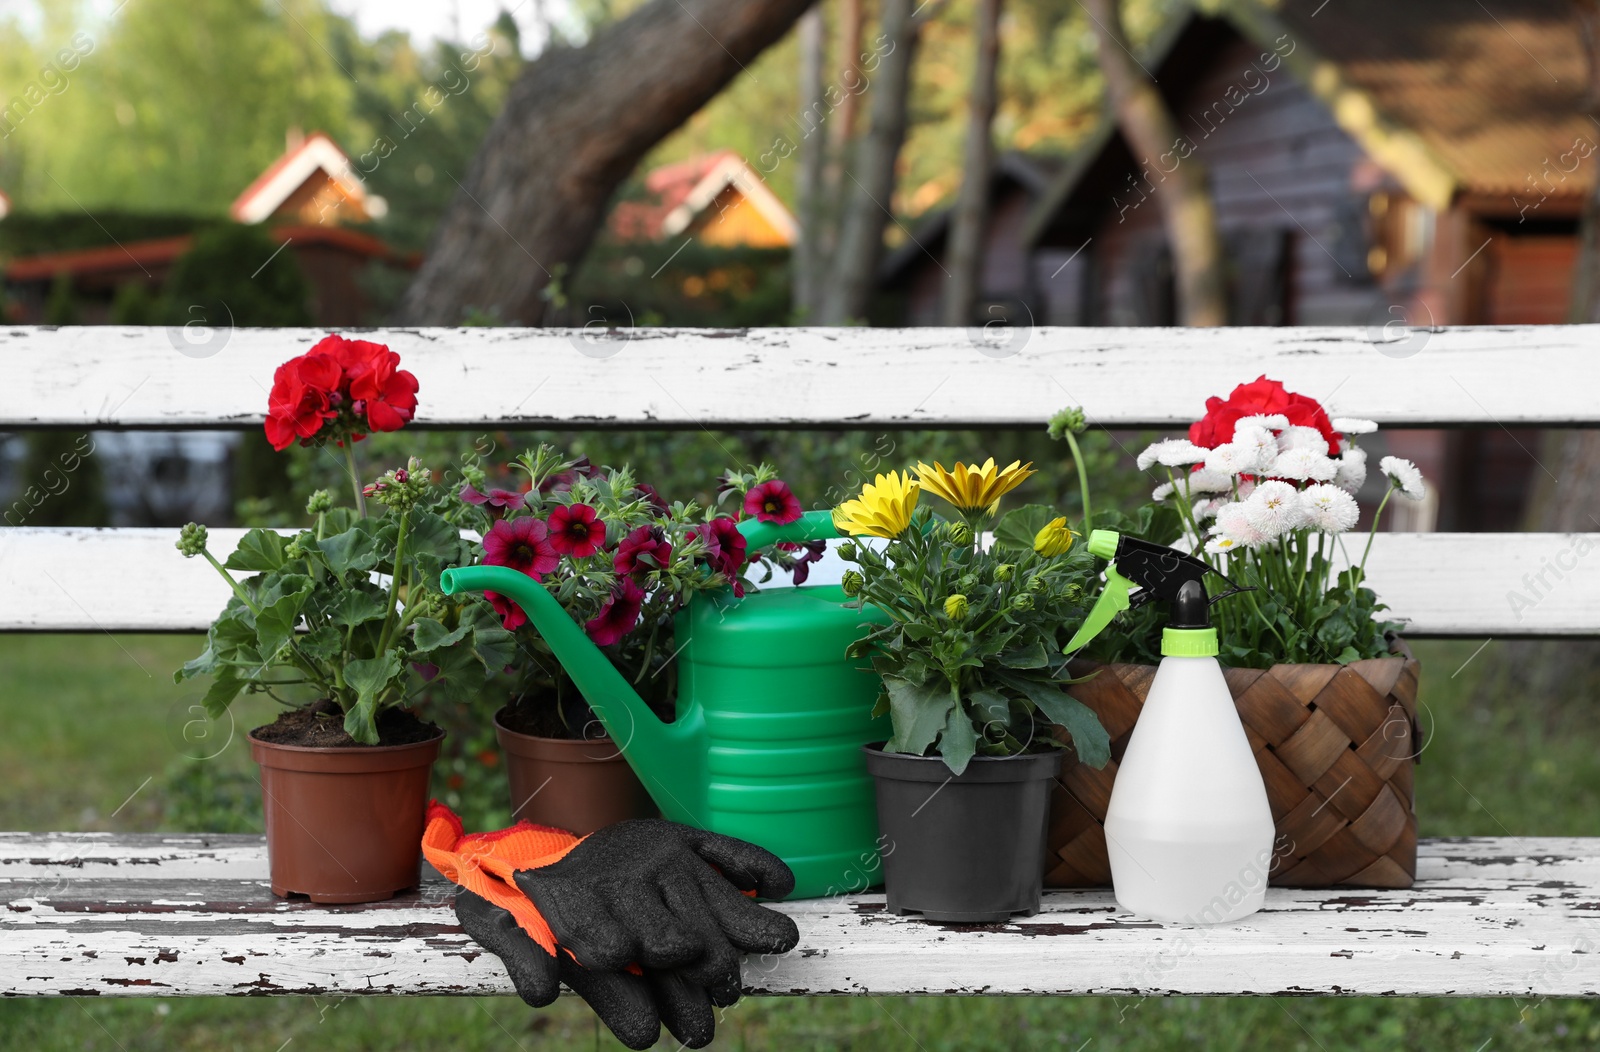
(971, 657)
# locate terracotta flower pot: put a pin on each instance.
(344, 824)
(1336, 745)
(577, 785)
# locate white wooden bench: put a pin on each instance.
(112, 914)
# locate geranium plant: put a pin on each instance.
(621, 560)
(1265, 486)
(971, 655)
(347, 611)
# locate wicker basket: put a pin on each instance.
(1336, 745)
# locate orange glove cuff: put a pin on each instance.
(483, 863)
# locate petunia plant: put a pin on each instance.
(1265, 485)
(971, 657)
(347, 612)
(620, 559)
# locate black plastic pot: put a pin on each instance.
(965, 848)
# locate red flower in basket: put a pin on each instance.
(618, 617)
(304, 391)
(575, 530)
(725, 549)
(772, 502)
(1260, 397)
(644, 541)
(522, 545)
(354, 385)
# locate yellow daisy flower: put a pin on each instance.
(883, 509)
(973, 488)
(1054, 539)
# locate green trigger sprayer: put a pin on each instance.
(766, 745)
(1188, 829)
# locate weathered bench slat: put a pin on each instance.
(173, 915)
(864, 378)
(76, 580)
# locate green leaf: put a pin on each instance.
(280, 612)
(223, 690)
(324, 644)
(959, 741)
(365, 602)
(919, 711)
(491, 644)
(428, 533)
(1028, 657)
(1017, 527)
(354, 550)
(431, 633)
(258, 551)
(990, 706)
(368, 677)
(1088, 736)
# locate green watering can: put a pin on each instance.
(771, 715)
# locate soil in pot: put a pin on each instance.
(577, 784)
(344, 820)
(966, 848)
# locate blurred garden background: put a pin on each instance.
(312, 163)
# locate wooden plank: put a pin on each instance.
(1495, 916)
(856, 378)
(1463, 585)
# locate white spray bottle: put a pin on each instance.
(1188, 829)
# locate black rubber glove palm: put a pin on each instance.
(643, 892)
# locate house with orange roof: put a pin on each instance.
(311, 199)
(716, 197)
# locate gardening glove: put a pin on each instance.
(680, 981)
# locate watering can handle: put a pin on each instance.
(812, 526)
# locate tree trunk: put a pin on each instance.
(870, 187)
(575, 124)
(805, 259)
(1183, 194)
(1585, 306)
(964, 261)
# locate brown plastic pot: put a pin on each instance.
(344, 824)
(577, 785)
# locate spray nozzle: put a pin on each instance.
(1158, 572)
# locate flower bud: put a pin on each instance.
(1003, 572)
(321, 501)
(1054, 539)
(191, 540)
(847, 551)
(1022, 602)
(852, 583)
(1037, 585)
(958, 533)
(1068, 421)
(955, 607)
(298, 545)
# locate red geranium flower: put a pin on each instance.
(726, 549)
(618, 617)
(303, 398)
(1260, 397)
(644, 542)
(522, 544)
(575, 531)
(383, 392)
(772, 502)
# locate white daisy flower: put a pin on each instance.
(1172, 453)
(1406, 476)
(1304, 464)
(1354, 425)
(1328, 508)
(1273, 509)
(1298, 437)
(1352, 470)
(1204, 509)
(1222, 545)
(1230, 459)
(1262, 443)
(1207, 481)
(1162, 492)
(1233, 524)
(1268, 422)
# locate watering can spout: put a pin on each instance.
(666, 756)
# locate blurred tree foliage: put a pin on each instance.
(235, 275)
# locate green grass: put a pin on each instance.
(97, 737)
